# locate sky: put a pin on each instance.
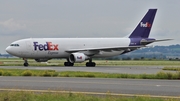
(85, 18)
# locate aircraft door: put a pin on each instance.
(29, 48)
(26, 49)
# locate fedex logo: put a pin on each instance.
(46, 46)
(147, 24)
(79, 57)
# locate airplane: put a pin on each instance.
(77, 50)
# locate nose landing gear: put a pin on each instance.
(25, 62)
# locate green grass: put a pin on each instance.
(22, 72)
(172, 68)
(34, 96)
(159, 75)
(53, 73)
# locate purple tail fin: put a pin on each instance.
(144, 27)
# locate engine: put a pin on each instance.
(41, 60)
(78, 57)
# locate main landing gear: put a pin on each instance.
(90, 63)
(68, 63)
(25, 62)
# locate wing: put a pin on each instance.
(106, 49)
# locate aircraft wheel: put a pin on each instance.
(26, 64)
(87, 64)
(68, 64)
(72, 64)
(65, 63)
(90, 64)
(93, 64)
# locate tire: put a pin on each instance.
(90, 64)
(68, 64)
(26, 64)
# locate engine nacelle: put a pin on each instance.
(78, 57)
(41, 60)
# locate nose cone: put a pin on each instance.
(11, 50)
(8, 50)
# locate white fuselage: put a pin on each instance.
(38, 48)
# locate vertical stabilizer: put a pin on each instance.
(144, 27)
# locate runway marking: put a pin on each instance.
(158, 85)
(92, 93)
(127, 84)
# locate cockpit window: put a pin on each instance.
(16, 45)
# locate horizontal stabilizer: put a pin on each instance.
(145, 42)
(163, 40)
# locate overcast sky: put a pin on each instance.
(85, 18)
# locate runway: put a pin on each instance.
(104, 69)
(98, 85)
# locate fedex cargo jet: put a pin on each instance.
(77, 50)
